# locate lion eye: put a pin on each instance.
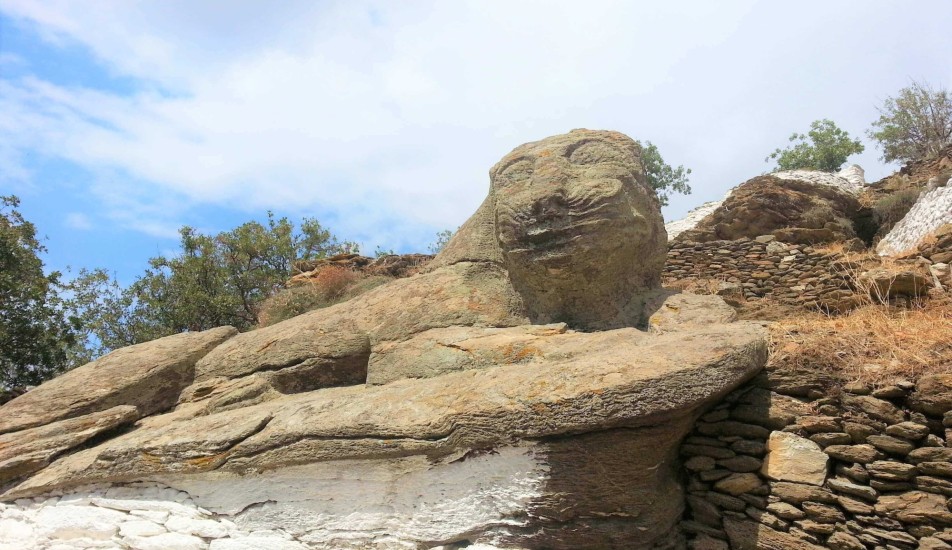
(593, 152)
(516, 172)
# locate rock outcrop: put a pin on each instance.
(851, 179)
(799, 206)
(529, 389)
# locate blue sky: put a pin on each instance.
(121, 121)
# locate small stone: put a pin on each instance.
(737, 484)
(786, 511)
(831, 438)
(704, 542)
(891, 444)
(878, 409)
(908, 430)
(731, 427)
(847, 488)
(859, 432)
(741, 463)
(726, 501)
(856, 388)
(823, 513)
(932, 543)
(816, 424)
(862, 454)
(890, 486)
(915, 507)
(798, 493)
(853, 505)
(140, 528)
(815, 527)
(933, 485)
(930, 454)
(699, 463)
(889, 392)
(856, 472)
(933, 440)
(766, 518)
(844, 541)
(935, 468)
(713, 475)
(749, 447)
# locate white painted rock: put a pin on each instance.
(794, 458)
(932, 210)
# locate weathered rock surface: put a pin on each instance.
(528, 389)
(149, 376)
(794, 458)
(796, 207)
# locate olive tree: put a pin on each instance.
(824, 147)
(916, 123)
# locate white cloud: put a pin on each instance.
(386, 117)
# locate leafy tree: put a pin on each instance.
(825, 147)
(442, 239)
(916, 123)
(35, 331)
(662, 177)
(213, 281)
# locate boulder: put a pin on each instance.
(148, 376)
(799, 207)
(883, 284)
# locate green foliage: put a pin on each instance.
(213, 281)
(889, 210)
(825, 147)
(916, 123)
(442, 239)
(379, 252)
(35, 332)
(662, 177)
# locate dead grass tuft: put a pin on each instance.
(874, 344)
(331, 285)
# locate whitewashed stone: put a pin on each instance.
(69, 522)
(932, 210)
(794, 458)
(256, 542)
(692, 218)
(157, 516)
(200, 527)
(820, 178)
(129, 504)
(167, 541)
(12, 530)
(853, 174)
(141, 528)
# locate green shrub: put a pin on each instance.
(888, 210)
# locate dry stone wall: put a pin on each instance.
(783, 465)
(757, 268)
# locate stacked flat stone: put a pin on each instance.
(779, 464)
(763, 267)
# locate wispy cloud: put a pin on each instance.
(78, 220)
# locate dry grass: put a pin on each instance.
(875, 344)
(331, 285)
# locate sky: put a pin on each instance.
(122, 121)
